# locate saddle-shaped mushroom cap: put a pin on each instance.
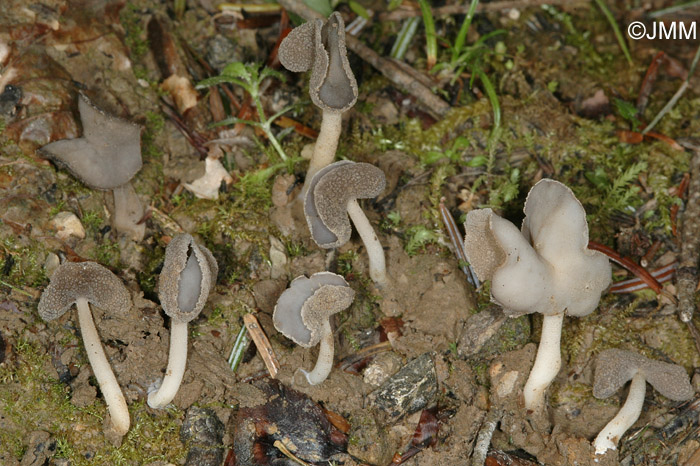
(615, 367)
(188, 275)
(107, 155)
(305, 307)
(320, 46)
(330, 191)
(87, 280)
(546, 268)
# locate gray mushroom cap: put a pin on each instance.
(106, 156)
(320, 46)
(304, 307)
(325, 205)
(188, 275)
(615, 367)
(88, 280)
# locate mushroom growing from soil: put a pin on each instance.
(546, 268)
(303, 313)
(188, 275)
(614, 367)
(332, 197)
(320, 46)
(88, 283)
(106, 157)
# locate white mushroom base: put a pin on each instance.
(375, 252)
(324, 363)
(608, 438)
(116, 404)
(177, 360)
(547, 363)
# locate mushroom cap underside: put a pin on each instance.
(304, 307)
(106, 156)
(331, 188)
(188, 275)
(88, 280)
(615, 367)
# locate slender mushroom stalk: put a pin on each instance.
(188, 275)
(614, 367)
(332, 197)
(545, 268)
(84, 283)
(106, 157)
(303, 312)
(320, 46)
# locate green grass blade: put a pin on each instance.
(613, 24)
(430, 36)
(463, 30)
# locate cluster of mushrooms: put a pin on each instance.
(543, 267)
(546, 267)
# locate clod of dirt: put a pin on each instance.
(41, 447)
(370, 442)
(409, 390)
(203, 432)
(290, 417)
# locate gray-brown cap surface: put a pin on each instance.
(615, 367)
(188, 275)
(106, 156)
(320, 46)
(88, 280)
(325, 205)
(303, 308)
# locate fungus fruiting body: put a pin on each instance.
(545, 268)
(331, 202)
(303, 312)
(320, 46)
(188, 275)
(614, 367)
(106, 157)
(88, 283)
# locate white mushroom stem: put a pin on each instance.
(177, 359)
(128, 211)
(324, 363)
(608, 438)
(547, 363)
(116, 404)
(377, 266)
(326, 145)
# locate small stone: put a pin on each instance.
(278, 258)
(67, 224)
(282, 189)
(202, 427)
(383, 366)
(51, 263)
(407, 391)
(207, 186)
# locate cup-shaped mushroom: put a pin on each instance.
(320, 46)
(106, 157)
(331, 203)
(83, 284)
(614, 368)
(545, 268)
(188, 275)
(303, 313)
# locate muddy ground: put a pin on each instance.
(565, 90)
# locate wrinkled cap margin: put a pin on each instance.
(106, 156)
(547, 267)
(188, 275)
(88, 280)
(304, 307)
(615, 367)
(325, 205)
(320, 46)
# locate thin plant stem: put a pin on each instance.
(430, 36)
(616, 29)
(463, 30)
